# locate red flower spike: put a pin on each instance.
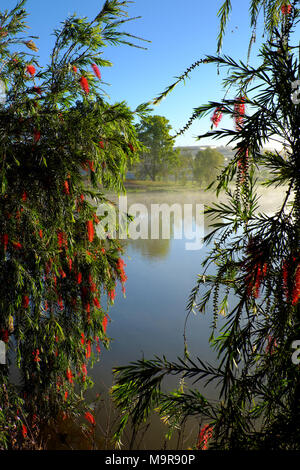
(90, 418)
(31, 70)
(82, 339)
(36, 355)
(24, 431)
(69, 375)
(5, 241)
(90, 230)
(216, 117)
(36, 135)
(25, 301)
(96, 71)
(204, 436)
(96, 303)
(74, 69)
(88, 349)
(104, 323)
(24, 196)
(101, 143)
(84, 85)
(41, 233)
(66, 187)
(79, 278)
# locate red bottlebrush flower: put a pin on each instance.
(101, 143)
(25, 302)
(62, 239)
(204, 436)
(70, 263)
(62, 273)
(24, 196)
(97, 221)
(91, 165)
(17, 245)
(79, 278)
(96, 71)
(90, 418)
(84, 371)
(37, 89)
(216, 117)
(36, 355)
(81, 197)
(31, 70)
(103, 250)
(90, 230)
(66, 187)
(69, 375)
(131, 147)
(104, 323)
(4, 335)
(41, 233)
(60, 303)
(112, 294)
(36, 135)
(296, 288)
(286, 9)
(96, 302)
(56, 338)
(46, 305)
(84, 85)
(88, 349)
(82, 339)
(239, 111)
(98, 345)
(5, 241)
(66, 394)
(24, 431)
(74, 69)
(88, 308)
(272, 344)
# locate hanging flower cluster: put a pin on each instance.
(205, 435)
(90, 230)
(31, 70)
(286, 9)
(239, 112)
(96, 71)
(291, 292)
(84, 85)
(217, 116)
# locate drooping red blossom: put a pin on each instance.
(69, 375)
(204, 436)
(66, 394)
(17, 245)
(101, 143)
(286, 9)
(90, 230)
(66, 187)
(104, 323)
(239, 111)
(216, 117)
(24, 431)
(82, 339)
(84, 85)
(36, 355)
(296, 288)
(4, 334)
(98, 349)
(96, 303)
(60, 303)
(31, 70)
(131, 147)
(36, 135)
(84, 372)
(272, 344)
(24, 196)
(79, 278)
(112, 294)
(62, 239)
(96, 71)
(90, 418)
(88, 349)
(5, 241)
(74, 68)
(37, 89)
(25, 301)
(91, 165)
(96, 220)
(41, 233)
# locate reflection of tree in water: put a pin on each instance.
(150, 248)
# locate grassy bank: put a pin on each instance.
(135, 186)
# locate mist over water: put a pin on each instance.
(161, 274)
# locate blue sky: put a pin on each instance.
(180, 32)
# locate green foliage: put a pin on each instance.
(206, 165)
(62, 146)
(255, 260)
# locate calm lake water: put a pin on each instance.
(150, 320)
